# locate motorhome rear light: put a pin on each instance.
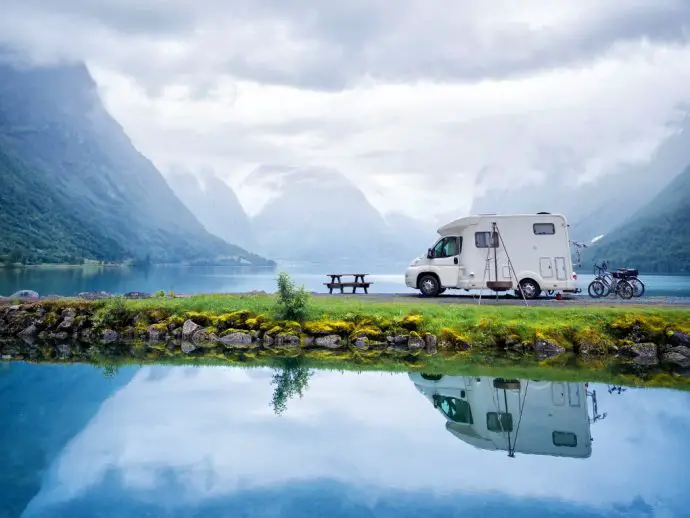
(574, 276)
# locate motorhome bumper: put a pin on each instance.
(573, 290)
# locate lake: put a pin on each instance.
(69, 281)
(174, 441)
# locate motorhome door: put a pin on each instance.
(446, 260)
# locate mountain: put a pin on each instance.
(656, 239)
(596, 208)
(73, 185)
(214, 204)
(317, 215)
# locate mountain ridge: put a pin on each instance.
(109, 199)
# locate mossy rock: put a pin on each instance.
(202, 319)
(254, 323)
(329, 327)
(450, 338)
(235, 319)
(371, 332)
(412, 322)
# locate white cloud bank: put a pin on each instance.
(411, 102)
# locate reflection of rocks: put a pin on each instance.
(238, 340)
(188, 347)
(547, 348)
(328, 341)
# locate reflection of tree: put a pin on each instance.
(291, 378)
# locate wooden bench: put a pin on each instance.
(337, 282)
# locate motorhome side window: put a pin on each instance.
(448, 247)
(544, 229)
(564, 439)
(483, 240)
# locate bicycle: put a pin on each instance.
(606, 282)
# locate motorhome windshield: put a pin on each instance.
(457, 410)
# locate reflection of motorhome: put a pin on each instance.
(526, 416)
(537, 246)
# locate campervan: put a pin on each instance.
(528, 253)
(516, 416)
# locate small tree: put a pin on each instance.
(291, 303)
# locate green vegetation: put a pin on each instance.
(478, 325)
(74, 188)
(656, 239)
(291, 303)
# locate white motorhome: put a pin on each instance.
(470, 255)
(525, 416)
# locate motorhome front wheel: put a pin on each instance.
(429, 285)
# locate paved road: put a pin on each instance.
(570, 301)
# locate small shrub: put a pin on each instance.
(291, 303)
(160, 294)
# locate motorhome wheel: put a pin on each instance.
(529, 288)
(429, 285)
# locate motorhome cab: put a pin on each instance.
(523, 416)
(470, 254)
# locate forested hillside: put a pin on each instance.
(656, 239)
(74, 186)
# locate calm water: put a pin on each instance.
(190, 441)
(228, 279)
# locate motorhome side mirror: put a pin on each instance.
(429, 254)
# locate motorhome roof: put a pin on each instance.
(459, 224)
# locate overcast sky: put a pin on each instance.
(410, 99)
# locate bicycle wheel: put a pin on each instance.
(624, 290)
(596, 289)
(638, 287)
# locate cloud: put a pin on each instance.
(411, 103)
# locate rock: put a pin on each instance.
(642, 353)
(268, 340)
(591, 350)
(398, 339)
(681, 349)
(188, 347)
(362, 342)
(679, 338)
(189, 328)
(69, 313)
(679, 355)
(64, 351)
(86, 335)
(29, 332)
(328, 341)
(25, 294)
(647, 350)
(430, 341)
(415, 342)
(60, 335)
(6, 357)
(155, 334)
(237, 339)
(109, 336)
(547, 348)
(66, 323)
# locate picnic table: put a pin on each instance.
(337, 282)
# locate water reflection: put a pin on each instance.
(183, 441)
(526, 416)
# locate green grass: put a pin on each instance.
(472, 323)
